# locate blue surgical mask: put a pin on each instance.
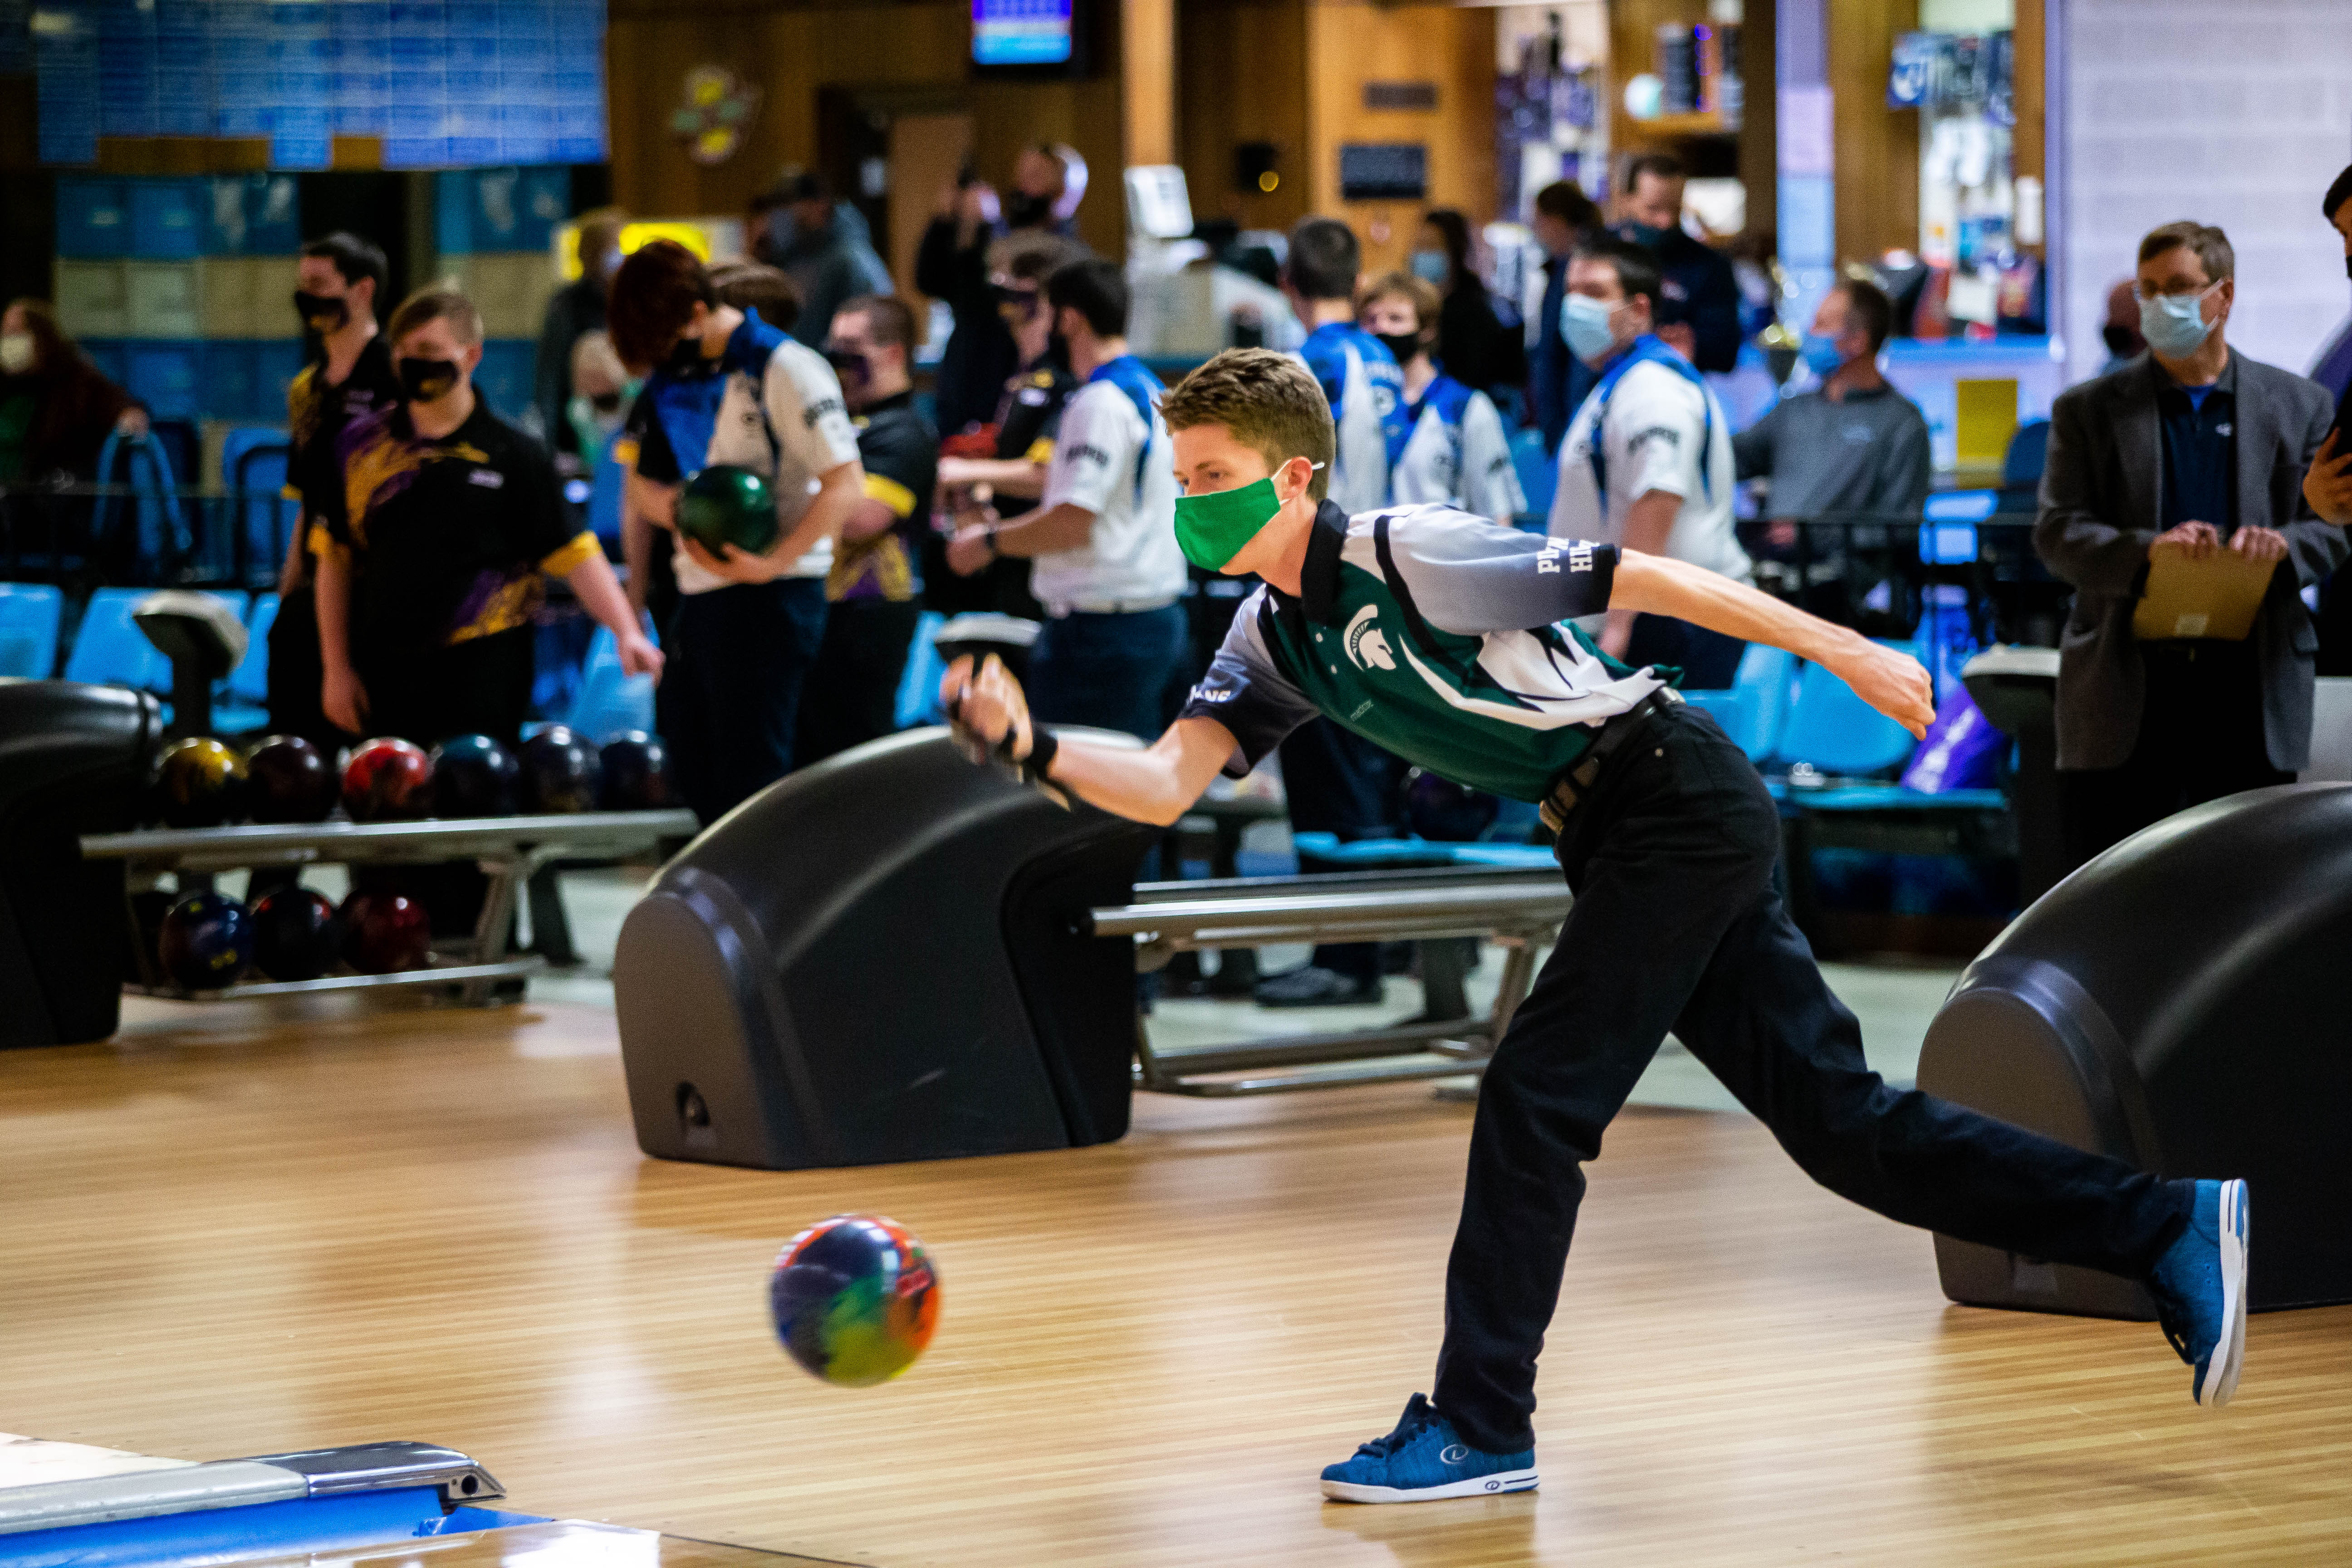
(1584, 327)
(1822, 356)
(2174, 324)
(1430, 266)
(1648, 235)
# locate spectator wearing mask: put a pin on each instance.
(874, 592)
(1647, 463)
(727, 387)
(1360, 377)
(338, 280)
(752, 288)
(2196, 448)
(952, 263)
(433, 551)
(1458, 453)
(1006, 484)
(1558, 381)
(1103, 537)
(1851, 448)
(601, 390)
(1472, 343)
(1699, 305)
(824, 247)
(573, 312)
(1334, 780)
(55, 408)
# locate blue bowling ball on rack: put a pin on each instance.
(473, 775)
(206, 941)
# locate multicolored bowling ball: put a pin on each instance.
(289, 780)
(473, 775)
(636, 774)
(199, 782)
(725, 504)
(295, 935)
(384, 933)
(1441, 809)
(855, 1299)
(206, 943)
(387, 779)
(561, 772)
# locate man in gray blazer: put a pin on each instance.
(2193, 447)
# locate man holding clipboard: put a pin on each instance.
(2172, 502)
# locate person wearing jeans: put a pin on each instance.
(1453, 641)
(1103, 536)
(727, 387)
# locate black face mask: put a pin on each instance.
(687, 356)
(322, 314)
(1403, 345)
(2347, 264)
(426, 380)
(855, 372)
(1023, 210)
(608, 403)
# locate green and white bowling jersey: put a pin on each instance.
(1441, 636)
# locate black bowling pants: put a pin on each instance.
(1677, 926)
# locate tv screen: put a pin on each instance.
(1021, 31)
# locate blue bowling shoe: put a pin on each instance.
(2200, 1285)
(1426, 1459)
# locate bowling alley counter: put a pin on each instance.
(515, 853)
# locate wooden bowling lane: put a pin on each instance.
(221, 1236)
(559, 1544)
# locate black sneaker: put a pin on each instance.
(1309, 987)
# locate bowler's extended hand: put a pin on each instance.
(1891, 682)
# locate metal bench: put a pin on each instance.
(1519, 912)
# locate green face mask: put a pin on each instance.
(1211, 528)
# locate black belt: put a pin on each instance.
(1568, 791)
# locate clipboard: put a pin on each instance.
(2217, 597)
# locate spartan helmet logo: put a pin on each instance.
(1368, 645)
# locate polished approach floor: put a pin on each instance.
(235, 1232)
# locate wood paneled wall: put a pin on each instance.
(1286, 71)
(1241, 70)
(1350, 44)
(1877, 147)
(793, 54)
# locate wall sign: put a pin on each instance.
(1405, 95)
(1383, 171)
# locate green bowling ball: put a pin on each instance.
(724, 504)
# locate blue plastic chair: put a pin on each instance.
(607, 701)
(919, 687)
(108, 650)
(1755, 707)
(152, 511)
(1837, 732)
(253, 461)
(29, 614)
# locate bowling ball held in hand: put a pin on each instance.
(724, 505)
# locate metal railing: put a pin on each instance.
(118, 535)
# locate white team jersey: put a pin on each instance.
(1658, 430)
(1107, 461)
(813, 436)
(1458, 454)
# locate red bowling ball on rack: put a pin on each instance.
(384, 933)
(387, 779)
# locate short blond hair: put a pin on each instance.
(1268, 402)
(440, 302)
(1426, 301)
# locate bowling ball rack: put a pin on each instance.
(510, 850)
